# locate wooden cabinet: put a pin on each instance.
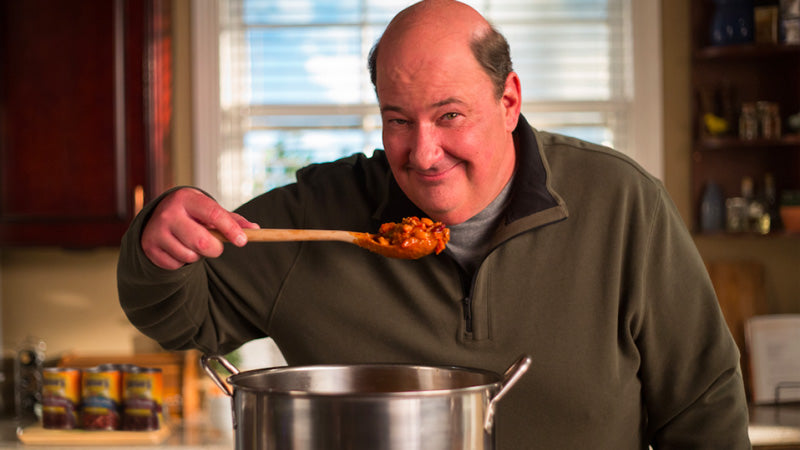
(85, 114)
(725, 77)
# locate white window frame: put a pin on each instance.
(645, 130)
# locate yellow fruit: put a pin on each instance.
(714, 124)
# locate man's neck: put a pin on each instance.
(469, 240)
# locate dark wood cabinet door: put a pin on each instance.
(84, 117)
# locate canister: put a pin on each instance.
(61, 397)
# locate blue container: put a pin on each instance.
(732, 22)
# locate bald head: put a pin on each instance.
(449, 16)
(429, 23)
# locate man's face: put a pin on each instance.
(446, 135)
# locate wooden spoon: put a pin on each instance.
(368, 241)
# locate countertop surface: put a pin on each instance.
(189, 435)
(775, 426)
(771, 427)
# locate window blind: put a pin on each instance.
(294, 86)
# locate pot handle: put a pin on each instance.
(510, 378)
(204, 360)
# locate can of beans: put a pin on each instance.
(102, 392)
(142, 399)
(61, 397)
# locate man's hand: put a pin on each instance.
(177, 232)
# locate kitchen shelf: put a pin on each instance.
(723, 78)
(741, 51)
(724, 143)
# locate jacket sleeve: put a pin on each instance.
(174, 307)
(691, 375)
(218, 304)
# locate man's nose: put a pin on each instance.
(425, 150)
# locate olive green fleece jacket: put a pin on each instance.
(592, 273)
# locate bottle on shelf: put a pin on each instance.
(748, 122)
(755, 208)
(769, 119)
(712, 214)
(771, 203)
(736, 214)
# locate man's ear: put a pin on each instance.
(512, 100)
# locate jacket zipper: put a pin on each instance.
(467, 304)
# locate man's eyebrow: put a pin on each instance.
(391, 108)
(447, 101)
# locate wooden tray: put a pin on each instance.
(36, 435)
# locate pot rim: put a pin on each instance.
(493, 384)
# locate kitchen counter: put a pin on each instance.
(775, 427)
(771, 428)
(190, 435)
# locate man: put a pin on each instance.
(560, 249)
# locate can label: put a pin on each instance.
(61, 397)
(143, 397)
(102, 391)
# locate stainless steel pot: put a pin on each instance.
(364, 406)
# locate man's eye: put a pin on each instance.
(450, 116)
(398, 121)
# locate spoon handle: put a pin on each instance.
(283, 235)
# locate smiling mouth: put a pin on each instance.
(432, 175)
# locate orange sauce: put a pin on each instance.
(414, 236)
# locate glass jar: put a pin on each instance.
(737, 214)
(748, 122)
(769, 120)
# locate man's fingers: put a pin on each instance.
(178, 230)
(162, 259)
(244, 223)
(211, 215)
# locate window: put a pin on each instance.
(282, 83)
